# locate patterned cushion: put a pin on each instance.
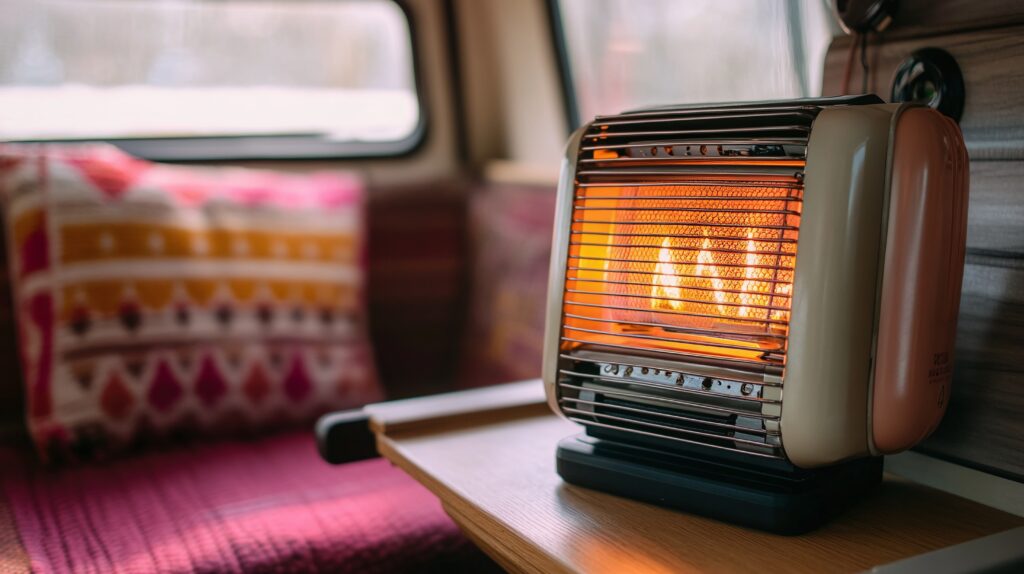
(155, 301)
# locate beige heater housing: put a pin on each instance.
(775, 279)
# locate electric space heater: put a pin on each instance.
(750, 304)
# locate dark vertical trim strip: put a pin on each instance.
(454, 58)
(451, 369)
(561, 50)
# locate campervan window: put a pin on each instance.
(627, 54)
(201, 79)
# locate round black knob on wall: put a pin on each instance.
(932, 77)
(859, 16)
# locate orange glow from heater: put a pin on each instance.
(699, 270)
(666, 281)
(748, 275)
(706, 268)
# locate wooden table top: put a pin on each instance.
(494, 471)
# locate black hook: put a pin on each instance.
(932, 77)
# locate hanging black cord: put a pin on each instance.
(864, 63)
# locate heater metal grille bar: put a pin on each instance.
(700, 142)
(680, 209)
(604, 135)
(689, 172)
(688, 288)
(688, 224)
(695, 249)
(667, 312)
(661, 111)
(686, 183)
(713, 344)
(665, 426)
(658, 261)
(656, 159)
(663, 400)
(680, 329)
(580, 403)
(707, 357)
(679, 300)
(685, 197)
(704, 116)
(574, 268)
(776, 453)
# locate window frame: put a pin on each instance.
(270, 147)
(570, 102)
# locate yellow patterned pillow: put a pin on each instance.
(156, 300)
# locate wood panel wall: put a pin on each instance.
(984, 427)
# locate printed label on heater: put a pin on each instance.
(687, 381)
(939, 374)
(940, 369)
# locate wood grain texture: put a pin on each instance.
(930, 16)
(497, 480)
(984, 426)
(465, 407)
(995, 215)
(992, 62)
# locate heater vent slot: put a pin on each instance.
(666, 402)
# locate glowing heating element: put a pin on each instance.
(702, 269)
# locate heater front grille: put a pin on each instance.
(679, 273)
(649, 398)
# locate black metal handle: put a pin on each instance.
(345, 436)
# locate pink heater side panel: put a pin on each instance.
(924, 263)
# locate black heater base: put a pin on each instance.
(780, 502)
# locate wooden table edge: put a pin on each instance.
(477, 525)
(462, 410)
